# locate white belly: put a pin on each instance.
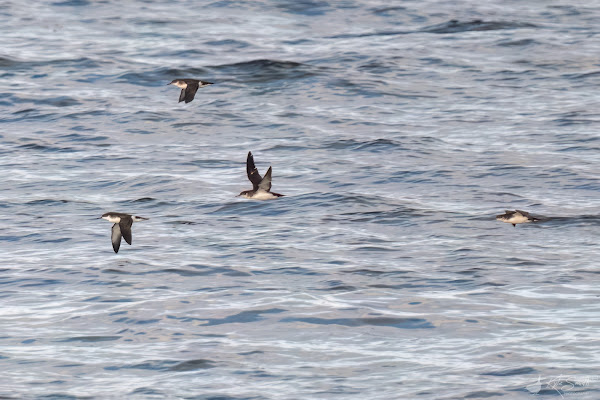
(262, 195)
(517, 219)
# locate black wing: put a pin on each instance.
(125, 226)
(265, 183)
(182, 95)
(523, 213)
(252, 172)
(115, 237)
(190, 92)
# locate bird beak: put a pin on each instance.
(168, 84)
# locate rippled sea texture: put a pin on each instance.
(397, 131)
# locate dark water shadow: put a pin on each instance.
(402, 323)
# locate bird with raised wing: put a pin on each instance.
(261, 186)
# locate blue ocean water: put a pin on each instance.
(397, 131)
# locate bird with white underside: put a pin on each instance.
(516, 217)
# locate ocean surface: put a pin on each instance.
(396, 130)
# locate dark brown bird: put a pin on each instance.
(189, 87)
(122, 227)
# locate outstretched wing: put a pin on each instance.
(182, 95)
(265, 183)
(125, 227)
(523, 213)
(116, 237)
(190, 92)
(252, 172)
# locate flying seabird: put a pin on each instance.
(516, 217)
(122, 227)
(261, 186)
(188, 88)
